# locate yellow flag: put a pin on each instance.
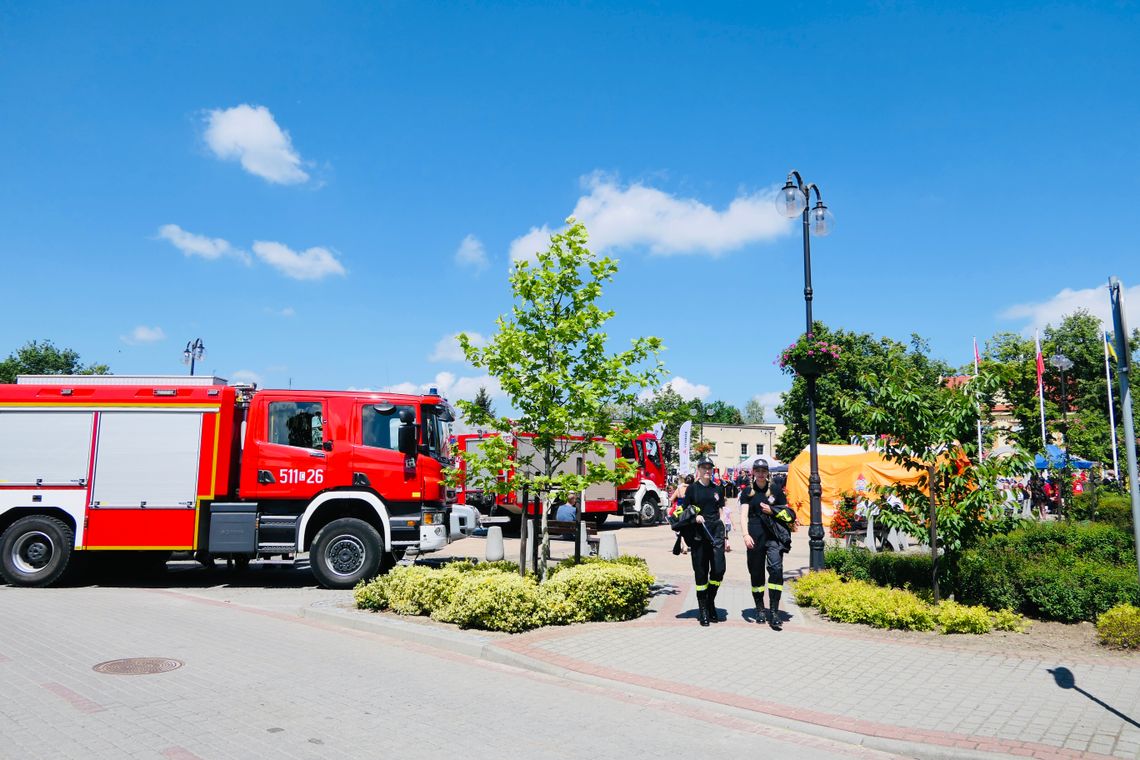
(1111, 348)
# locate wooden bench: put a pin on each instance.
(565, 528)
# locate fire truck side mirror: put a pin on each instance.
(407, 443)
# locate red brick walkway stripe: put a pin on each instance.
(77, 700)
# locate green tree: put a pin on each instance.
(1079, 338)
(550, 358)
(929, 428)
(753, 411)
(44, 358)
(723, 413)
(483, 401)
(860, 353)
(667, 406)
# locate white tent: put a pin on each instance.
(746, 464)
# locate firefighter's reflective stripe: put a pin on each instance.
(702, 588)
(776, 586)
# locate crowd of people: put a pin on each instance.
(700, 514)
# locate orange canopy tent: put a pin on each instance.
(842, 469)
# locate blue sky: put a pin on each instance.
(325, 192)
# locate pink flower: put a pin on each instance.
(810, 352)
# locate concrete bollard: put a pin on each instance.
(494, 543)
(529, 547)
(607, 546)
(584, 543)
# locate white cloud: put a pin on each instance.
(245, 376)
(251, 135)
(1093, 300)
(683, 387)
(199, 245)
(471, 254)
(310, 264)
(144, 334)
(447, 348)
(620, 216)
(286, 312)
(770, 400)
(452, 386)
(528, 246)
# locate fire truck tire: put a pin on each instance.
(35, 550)
(345, 552)
(647, 515)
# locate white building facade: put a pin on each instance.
(735, 443)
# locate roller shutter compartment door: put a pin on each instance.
(147, 459)
(46, 447)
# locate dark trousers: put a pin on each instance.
(708, 558)
(765, 553)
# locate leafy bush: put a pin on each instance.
(1115, 510)
(1008, 620)
(629, 560)
(1120, 627)
(606, 591)
(492, 595)
(897, 569)
(494, 601)
(861, 602)
(1058, 571)
(959, 618)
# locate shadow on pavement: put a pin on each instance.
(1064, 678)
(189, 574)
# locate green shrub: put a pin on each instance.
(1008, 620)
(1120, 627)
(861, 602)
(1082, 506)
(372, 595)
(807, 589)
(629, 560)
(494, 601)
(896, 569)
(1093, 541)
(991, 576)
(1115, 510)
(959, 618)
(605, 591)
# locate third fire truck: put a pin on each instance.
(639, 499)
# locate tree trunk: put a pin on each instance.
(934, 531)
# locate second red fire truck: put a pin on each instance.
(639, 499)
(155, 465)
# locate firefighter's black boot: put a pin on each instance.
(714, 616)
(774, 609)
(758, 600)
(702, 607)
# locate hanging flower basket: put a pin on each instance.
(809, 357)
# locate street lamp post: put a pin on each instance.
(795, 199)
(195, 350)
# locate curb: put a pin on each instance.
(489, 649)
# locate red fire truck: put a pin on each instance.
(162, 464)
(639, 499)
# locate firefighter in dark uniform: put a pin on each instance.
(708, 540)
(765, 521)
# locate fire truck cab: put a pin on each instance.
(156, 465)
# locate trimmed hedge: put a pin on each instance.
(898, 570)
(492, 596)
(857, 601)
(1057, 571)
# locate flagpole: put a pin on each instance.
(979, 401)
(1111, 412)
(1041, 389)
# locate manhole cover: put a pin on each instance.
(137, 666)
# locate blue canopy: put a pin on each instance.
(1055, 458)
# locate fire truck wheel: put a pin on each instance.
(647, 515)
(34, 551)
(345, 552)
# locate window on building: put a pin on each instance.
(296, 423)
(744, 449)
(759, 448)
